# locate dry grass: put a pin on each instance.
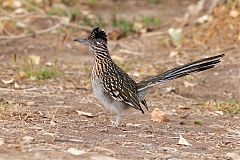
(30, 67)
(230, 106)
(11, 109)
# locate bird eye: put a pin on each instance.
(98, 42)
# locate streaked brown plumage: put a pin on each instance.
(115, 89)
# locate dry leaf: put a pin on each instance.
(75, 152)
(52, 123)
(115, 34)
(145, 134)
(188, 84)
(22, 74)
(176, 36)
(16, 86)
(38, 1)
(204, 19)
(20, 24)
(20, 11)
(30, 103)
(11, 4)
(102, 157)
(139, 27)
(65, 20)
(173, 54)
(219, 112)
(234, 13)
(27, 139)
(7, 81)
(234, 156)
(105, 150)
(49, 64)
(33, 78)
(133, 125)
(87, 114)
(159, 116)
(183, 141)
(170, 89)
(1, 141)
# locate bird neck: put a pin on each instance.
(103, 61)
(102, 64)
(100, 52)
(102, 56)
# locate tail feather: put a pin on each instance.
(196, 66)
(187, 72)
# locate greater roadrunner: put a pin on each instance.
(115, 89)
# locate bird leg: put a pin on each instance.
(118, 119)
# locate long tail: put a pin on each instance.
(196, 66)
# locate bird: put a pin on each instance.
(115, 89)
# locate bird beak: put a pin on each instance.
(82, 41)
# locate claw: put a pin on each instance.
(117, 120)
(115, 124)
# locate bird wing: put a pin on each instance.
(121, 87)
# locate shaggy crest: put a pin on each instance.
(97, 33)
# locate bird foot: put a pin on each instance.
(115, 124)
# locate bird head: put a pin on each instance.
(96, 41)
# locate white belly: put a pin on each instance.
(107, 101)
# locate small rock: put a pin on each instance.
(234, 13)
(27, 139)
(189, 84)
(75, 152)
(170, 89)
(173, 54)
(204, 19)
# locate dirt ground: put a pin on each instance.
(44, 123)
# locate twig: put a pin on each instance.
(31, 34)
(130, 52)
(50, 29)
(73, 25)
(52, 120)
(68, 140)
(155, 34)
(102, 149)
(32, 6)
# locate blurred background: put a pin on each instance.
(36, 35)
(211, 19)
